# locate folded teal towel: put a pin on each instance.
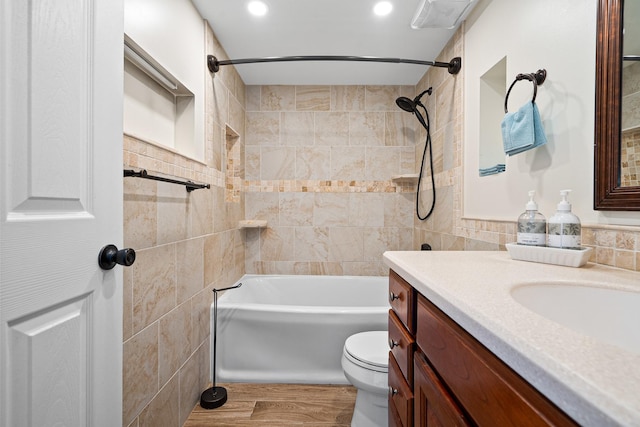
(522, 130)
(500, 167)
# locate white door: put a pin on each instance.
(60, 203)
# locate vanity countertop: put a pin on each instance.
(597, 384)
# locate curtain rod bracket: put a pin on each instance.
(452, 66)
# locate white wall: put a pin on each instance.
(172, 32)
(559, 36)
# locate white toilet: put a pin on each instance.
(365, 364)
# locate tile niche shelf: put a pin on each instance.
(405, 179)
(253, 223)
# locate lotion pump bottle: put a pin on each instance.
(532, 226)
(564, 226)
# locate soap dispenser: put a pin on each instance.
(532, 226)
(564, 226)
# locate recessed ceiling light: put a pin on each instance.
(382, 8)
(257, 8)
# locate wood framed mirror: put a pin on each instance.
(610, 193)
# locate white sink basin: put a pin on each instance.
(609, 315)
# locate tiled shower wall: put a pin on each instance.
(186, 244)
(319, 168)
(318, 163)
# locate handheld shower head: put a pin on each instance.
(410, 105)
(406, 104)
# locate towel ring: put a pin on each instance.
(536, 78)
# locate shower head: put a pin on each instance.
(410, 105)
(406, 104)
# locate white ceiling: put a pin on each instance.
(324, 27)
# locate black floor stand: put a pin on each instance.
(215, 397)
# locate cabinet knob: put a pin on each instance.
(392, 343)
(392, 296)
(393, 391)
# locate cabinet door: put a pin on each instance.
(401, 345)
(402, 300)
(433, 405)
(491, 393)
(400, 394)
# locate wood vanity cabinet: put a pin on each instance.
(445, 377)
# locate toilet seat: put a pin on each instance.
(368, 350)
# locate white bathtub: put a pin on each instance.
(291, 329)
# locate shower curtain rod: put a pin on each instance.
(452, 66)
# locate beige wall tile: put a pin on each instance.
(174, 341)
(200, 210)
(140, 372)
(236, 117)
(326, 268)
(252, 98)
(190, 268)
(313, 98)
(296, 209)
(347, 98)
(164, 409)
(154, 285)
(127, 303)
(263, 206)
(140, 213)
(277, 98)
(348, 163)
(297, 129)
(194, 378)
(399, 210)
(173, 213)
(625, 259)
(381, 98)
(277, 163)
(366, 209)
(277, 244)
(263, 128)
(366, 129)
(346, 244)
(365, 269)
(200, 312)
(218, 104)
(311, 243)
(400, 129)
(377, 240)
(313, 163)
(332, 129)
(382, 163)
(330, 209)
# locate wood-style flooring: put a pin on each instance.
(279, 405)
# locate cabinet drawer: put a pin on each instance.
(401, 345)
(400, 394)
(491, 393)
(402, 300)
(433, 405)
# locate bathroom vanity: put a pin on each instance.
(466, 348)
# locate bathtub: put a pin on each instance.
(291, 329)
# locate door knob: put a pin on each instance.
(109, 256)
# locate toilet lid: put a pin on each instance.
(370, 348)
